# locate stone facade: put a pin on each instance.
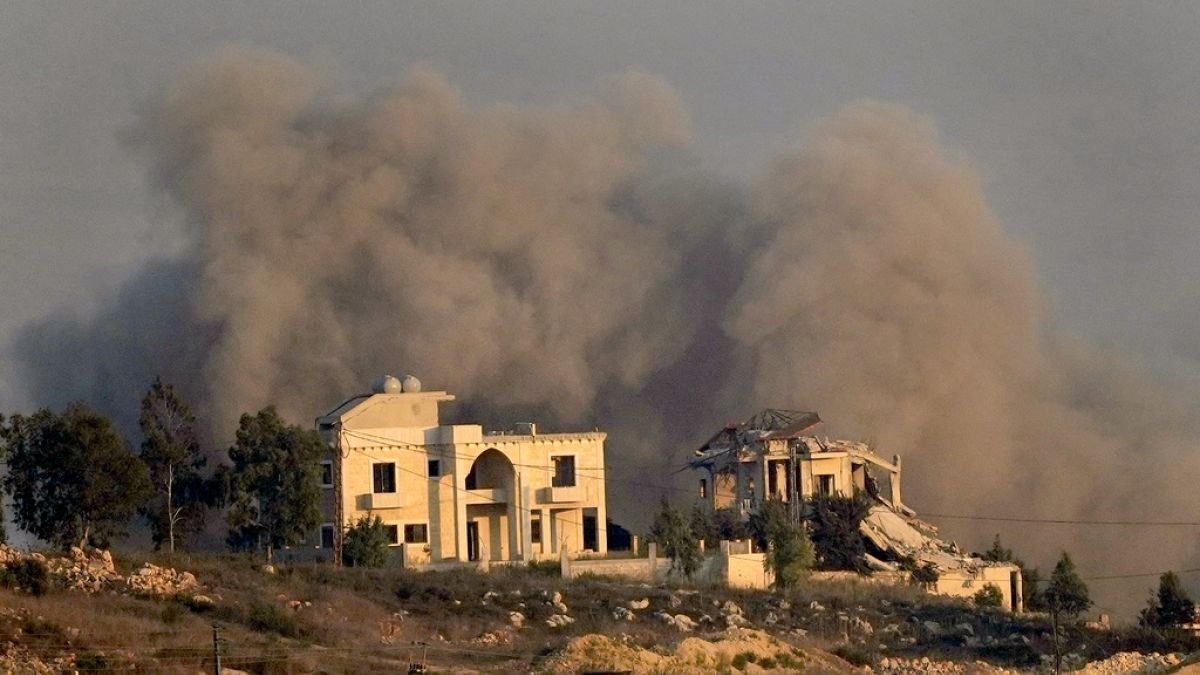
(453, 492)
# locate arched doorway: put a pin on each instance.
(491, 508)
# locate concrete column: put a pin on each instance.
(461, 467)
(894, 480)
(526, 516)
(602, 527)
(578, 515)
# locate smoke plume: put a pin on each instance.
(572, 263)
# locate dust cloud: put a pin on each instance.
(572, 263)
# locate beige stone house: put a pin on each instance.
(776, 455)
(455, 492)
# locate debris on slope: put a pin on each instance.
(747, 650)
(94, 572)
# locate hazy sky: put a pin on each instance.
(1084, 116)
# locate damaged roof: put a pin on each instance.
(770, 423)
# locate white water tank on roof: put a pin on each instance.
(410, 384)
(387, 385)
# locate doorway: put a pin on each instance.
(473, 540)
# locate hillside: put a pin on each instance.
(102, 614)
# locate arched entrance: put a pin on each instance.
(491, 507)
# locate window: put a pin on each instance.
(703, 488)
(825, 485)
(416, 534)
(327, 474)
(393, 533)
(326, 536)
(384, 476)
(435, 468)
(535, 529)
(564, 471)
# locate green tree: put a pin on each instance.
(704, 525)
(1171, 606)
(366, 543)
(835, 524)
(179, 502)
(273, 487)
(1066, 593)
(989, 596)
(72, 478)
(675, 537)
(790, 552)
(1030, 577)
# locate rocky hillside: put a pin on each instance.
(99, 613)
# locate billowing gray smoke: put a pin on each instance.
(570, 263)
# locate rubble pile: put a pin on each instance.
(160, 581)
(1131, 662)
(921, 666)
(736, 649)
(79, 571)
(94, 571)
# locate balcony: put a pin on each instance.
(486, 496)
(557, 495)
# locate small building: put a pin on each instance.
(776, 455)
(455, 492)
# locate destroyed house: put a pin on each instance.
(776, 455)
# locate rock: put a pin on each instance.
(862, 626)
(559, 621)
(785, 605)
(517, 619)
(267, 569)
(816, 606)
(623, 614)
(731, 607)
(560, 608)
(736, 621)
(674, 601)
(933, 627)
(639, 604)
(965, 628)
(556, 598)
(684, 623)
(202, 600)
(771, 619)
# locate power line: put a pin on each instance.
(1064, 521)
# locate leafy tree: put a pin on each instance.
(1030, 577)
(676, 539)
(730, 524)
(835, 524)
(1171, 606)
(178, 505)
(997, 553)
(1066, 593)
(989, 596)
(273, 487)
(704, 525)
(789, 550)
(366, 543)
(72, 478)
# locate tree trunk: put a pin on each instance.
(170, 509)
(1057, 649)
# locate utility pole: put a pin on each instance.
(338, 515)
(216, 649)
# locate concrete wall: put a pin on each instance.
(964, 583)
(734, 567)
